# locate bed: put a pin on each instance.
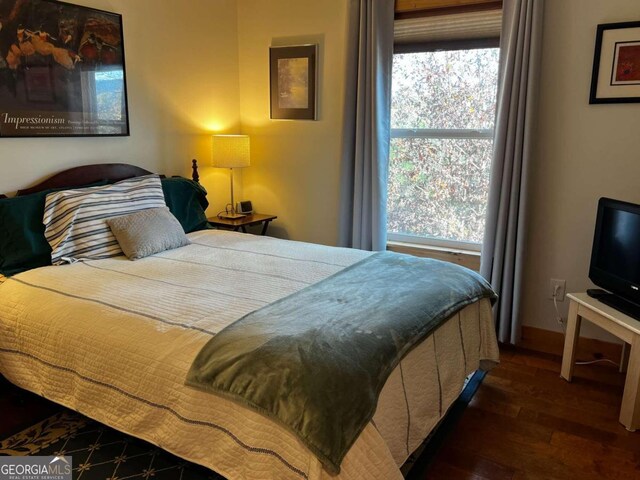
(114, 340)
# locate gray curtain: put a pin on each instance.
(363, 218)
(503, 247)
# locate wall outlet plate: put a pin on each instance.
(562, 288)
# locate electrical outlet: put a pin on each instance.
(561, 285)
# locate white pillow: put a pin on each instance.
(76, 220)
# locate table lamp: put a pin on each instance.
(231, 151)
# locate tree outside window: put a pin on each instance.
(442, 117)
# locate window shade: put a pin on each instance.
(448, 28)
(437, 6)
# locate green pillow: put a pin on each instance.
(23, 245)
(187, 200)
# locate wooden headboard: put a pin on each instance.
(87, 174)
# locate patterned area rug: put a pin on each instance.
(101, 453)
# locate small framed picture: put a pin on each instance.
(293, 82)
(616, 64)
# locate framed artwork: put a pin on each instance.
(293, 82)
(62, 71)
(616, 64)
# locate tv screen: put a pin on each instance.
(615, 260)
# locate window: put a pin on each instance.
(442, 120)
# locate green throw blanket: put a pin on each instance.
(317, 360)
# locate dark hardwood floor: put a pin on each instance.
(525, 422)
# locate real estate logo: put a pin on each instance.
(36, 468)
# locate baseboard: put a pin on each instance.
(553, 342)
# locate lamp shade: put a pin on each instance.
(231, 151)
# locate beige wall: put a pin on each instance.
(182, 76)
(295, 165)
(583, 152)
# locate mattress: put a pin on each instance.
(114, 339)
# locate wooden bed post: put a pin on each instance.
(195, 176)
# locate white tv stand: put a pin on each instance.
(583, 307)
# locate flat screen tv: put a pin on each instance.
(615, 258)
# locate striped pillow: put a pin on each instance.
(75, 220)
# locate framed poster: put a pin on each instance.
(62, 71)
(293, 82)
(616, 64)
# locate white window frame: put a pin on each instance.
(434, 242)
(438, 133)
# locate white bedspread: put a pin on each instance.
(114, 339)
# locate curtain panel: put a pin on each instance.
(365, 162)
(503, 246)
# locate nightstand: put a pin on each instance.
(241, 224)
